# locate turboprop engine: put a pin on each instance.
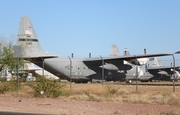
(109, 66)
(177, 75)
(163, 73)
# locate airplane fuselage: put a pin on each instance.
(66, 68)
(76, 70)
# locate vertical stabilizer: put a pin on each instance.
(114, 50)
(157, 63)
(27, 38)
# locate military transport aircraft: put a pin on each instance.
(162, 73)
(73, 69)
(129, 75)
(155, 73)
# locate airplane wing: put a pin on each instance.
(127, 58)
(95, 63)
(163, 70)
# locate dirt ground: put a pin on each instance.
(63, 107)
(125, 102)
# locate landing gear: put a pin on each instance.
(129, 81)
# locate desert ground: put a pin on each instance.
(99, 99)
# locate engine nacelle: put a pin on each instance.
(116, 67)
(177, 74)
(163, 73)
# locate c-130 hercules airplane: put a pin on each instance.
(134, 73)
(72, 69)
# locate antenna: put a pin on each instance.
(145, 51)
(89, 55)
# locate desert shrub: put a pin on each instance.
(173, 100)
(6, 86)
(57, 93)
(168, 113)
(47, 88)
(165, 97)
(165, 94)
(110, 91)
(93, 97)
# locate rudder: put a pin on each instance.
(27, 38)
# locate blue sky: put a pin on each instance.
(92, 26)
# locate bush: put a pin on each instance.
(47, 88)
(110, 91)
(174, 100)
(169, 113)
(6, 86)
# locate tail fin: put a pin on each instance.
(157, 63)
(27, 38)
(114, 50)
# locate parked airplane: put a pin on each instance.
(129, 75)
(25, 73)
(35, 70)
(73, 69)
(7, 75)
(40, 72)
(155, 73)
(162, 73)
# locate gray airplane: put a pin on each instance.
(155, 73)
(73, 69)
(129, 75)
(162, 73)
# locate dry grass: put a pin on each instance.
(126, 93)
(116, 92)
